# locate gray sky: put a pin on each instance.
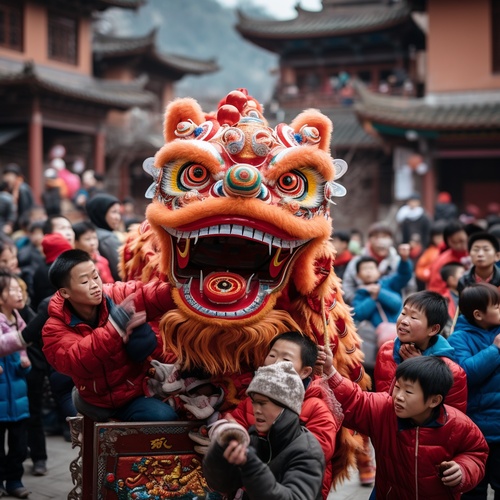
(281, 9)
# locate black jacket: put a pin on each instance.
(288, 465)
(468, 278)
(109, 247)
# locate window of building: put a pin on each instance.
(63, 38)
(495, 33)
(11, 25)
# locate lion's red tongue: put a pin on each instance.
(224, 287)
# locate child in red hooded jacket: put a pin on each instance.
(423, 448)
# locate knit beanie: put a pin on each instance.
(280, 383)
(53, 245)
(98, 206)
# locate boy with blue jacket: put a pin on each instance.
(476, 341)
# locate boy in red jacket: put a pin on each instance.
(423, 448)
(102, 341)
(418, 330)
(322, 419)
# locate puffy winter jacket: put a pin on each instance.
(108, 248)
(407, 456)
(94, 357)
(469, 278)
(436, 283)
(480, 358)
(388, 359)
(350, 281)
(13, 388)
(316, 415)
(10, 340)
(288, 464)
(389, 297)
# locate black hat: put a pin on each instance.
(98, 206)
(484, 235)
(13, 168)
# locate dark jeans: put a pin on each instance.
(492, 477)
(141, 409)
(11, 463)
(36, 435)
(62, 387)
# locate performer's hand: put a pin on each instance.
(407, 351)
(236, 453)
(328, 368)
(320, 361)
(451, 473)
(404, 251)
(136, 319)
(496, 341)
(25, 362)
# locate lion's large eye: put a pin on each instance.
(292, 184)
(305, 185)
(193, 176)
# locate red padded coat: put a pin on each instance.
(407, 456)
(94, 357)
(385, 371)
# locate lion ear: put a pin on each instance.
(314, 118)
(181, 110)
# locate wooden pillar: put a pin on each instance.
(35, 150)
(125, 174)
(429, 187)
(100, 151)
(428, 184)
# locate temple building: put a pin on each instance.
(414, 102)
(60, 85)
(321, 55)
(455, 126)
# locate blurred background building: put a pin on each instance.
(412, 88)
(63, 84)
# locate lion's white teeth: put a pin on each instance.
(248, 284)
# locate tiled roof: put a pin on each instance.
(333, 20)
(347, 131)
(106, 46)
(124, 4)
(109, 93)
(446, 112)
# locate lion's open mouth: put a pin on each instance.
(229, 269)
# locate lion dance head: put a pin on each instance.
(239, 224)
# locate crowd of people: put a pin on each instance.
(78, 215)
(425, 298)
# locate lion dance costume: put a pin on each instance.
(239, 225)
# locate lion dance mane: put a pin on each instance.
(239, 225)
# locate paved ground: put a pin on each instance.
(57, 483)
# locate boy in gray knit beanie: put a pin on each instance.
(289, 462)
(280, 383)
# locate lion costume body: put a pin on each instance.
(239, 225)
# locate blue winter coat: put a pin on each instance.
(13, 389)
(480, 358)
(389, 297)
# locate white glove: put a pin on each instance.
(225, 432)
(166, 380)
